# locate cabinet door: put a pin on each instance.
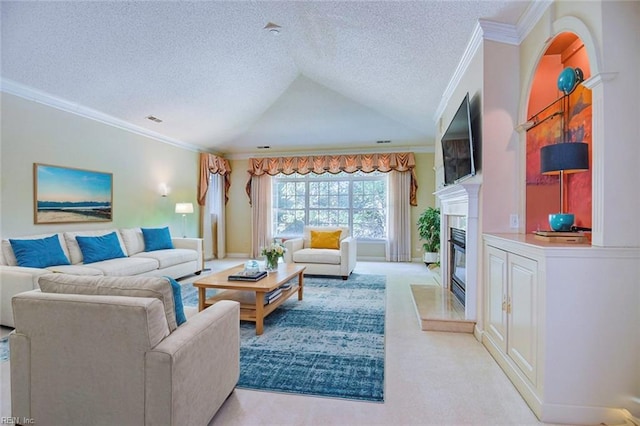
(496, 296)
(522, 308)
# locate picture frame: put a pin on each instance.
(71, 195)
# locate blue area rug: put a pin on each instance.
(4, 349)
(330, 344)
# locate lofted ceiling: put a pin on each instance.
(337, 76)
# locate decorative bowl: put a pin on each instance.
(561, 221)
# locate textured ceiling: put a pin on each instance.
(338, 76)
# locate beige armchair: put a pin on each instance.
(80, 359)
(339, 260)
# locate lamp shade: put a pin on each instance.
(569, 157)
(184, 208)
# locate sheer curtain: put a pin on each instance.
(213, 220)
(399, 221)
(260, 213)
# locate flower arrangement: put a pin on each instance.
(272, 253)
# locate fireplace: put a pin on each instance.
(459, 207)
(457, 268)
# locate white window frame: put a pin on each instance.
(350, 178)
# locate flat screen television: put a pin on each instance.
(457, 146)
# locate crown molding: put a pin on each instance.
(470, 51)
(31, 94)
(495, 31)
(531, 17)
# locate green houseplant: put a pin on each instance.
(429, 231)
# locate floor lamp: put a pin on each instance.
(184, 209)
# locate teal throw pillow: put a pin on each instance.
(156, 239)
(181, 318)
(39, 253)
(96, 249)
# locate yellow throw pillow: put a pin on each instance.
(325, 239)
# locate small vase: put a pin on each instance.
(271, 263)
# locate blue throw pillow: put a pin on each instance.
(177, 300)
(104, 247)
(39, 253)
(156, 238)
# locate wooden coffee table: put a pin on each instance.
(251, 294)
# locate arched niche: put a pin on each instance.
(552, 118)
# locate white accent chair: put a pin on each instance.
(320, 261)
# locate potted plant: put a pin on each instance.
(429, 231)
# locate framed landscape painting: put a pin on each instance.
(68, 195)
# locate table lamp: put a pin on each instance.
(560, 159)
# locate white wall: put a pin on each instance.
(36, 133)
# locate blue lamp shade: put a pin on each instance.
(569, 157)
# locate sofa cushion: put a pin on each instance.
(167, 258)
(96, 249)
(75, 254)
(133, 240)
(10, 258)
(309, 255)
(325, 239)
(124, 266)
(306, 233)
(155, 287)
(39, 253)
(177, 301)
(156, 239)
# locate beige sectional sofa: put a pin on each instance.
(95, 350)
(184, 259)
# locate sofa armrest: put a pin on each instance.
(190, 243)
(348, 254)
(192, 371)
(292, 246)
(14, 280)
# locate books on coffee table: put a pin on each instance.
(272, 295)
(247, 276)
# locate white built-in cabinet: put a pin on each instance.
(554, 315)
(512, 282)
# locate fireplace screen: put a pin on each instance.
(458, 274)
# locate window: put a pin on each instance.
(357, 200)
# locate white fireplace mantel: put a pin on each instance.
(461, 200)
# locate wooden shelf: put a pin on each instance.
(247, 301)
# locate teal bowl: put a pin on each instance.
(561, 221)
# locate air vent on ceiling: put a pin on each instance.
(263, 147)
(153, 118)
(383, 141)
(272, 28)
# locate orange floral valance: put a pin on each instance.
(210, 163)
(320, 164)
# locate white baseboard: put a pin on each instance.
(477, 333)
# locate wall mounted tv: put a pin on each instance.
(457, 146)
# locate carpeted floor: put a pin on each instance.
(329, 344)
